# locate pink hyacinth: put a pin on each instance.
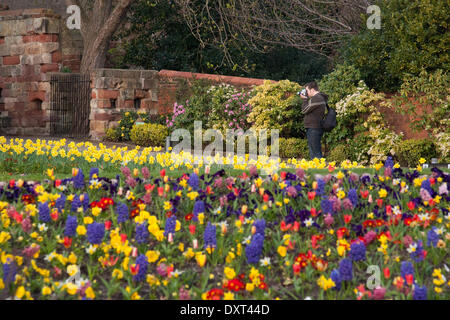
(443, 189)
(347, 204)
(369, 237)
(145, 173)
(379, 293)
(329, 220)
(425, 195)
(300, 173)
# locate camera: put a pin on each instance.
(303, 92)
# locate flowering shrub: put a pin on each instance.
(149, 134)
(276, 106)
(235, 112)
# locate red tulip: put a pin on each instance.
(364, 193)
(296, 268)
(409, 279)
(107, 225)
(387, 273)
(192, 229)
(134, 269)
(379, 202)
(347, 218)
(162, 173)
(411, 205)
(311, 195)
(67, 242)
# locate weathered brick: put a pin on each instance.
(53, 67)
(104, 103)
(36, 95)
(107, 94)
(10, 61)
(128, 104)
(2, 40)
(10, 71)
(56, 57)
(41, 38)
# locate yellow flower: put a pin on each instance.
(96, 211)
(201, 259)
(152, 256)
(90, 293)
(46, 291)
(72, 258)
(81, 230)
(72, 269)
(422, 160)
(2, 284)
(201, 217)
(229, 273)
(20, 292)
(181, 246)
(325, 283)
(340, 175)
(249, 287)
(189, 254)
(228, 296)
(282, 251)
(117, 273)
(382, 193)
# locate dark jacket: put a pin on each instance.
(314, 110)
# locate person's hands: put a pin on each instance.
(303, 97)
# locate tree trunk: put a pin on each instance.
(99, 22)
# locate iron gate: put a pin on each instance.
(70, 105)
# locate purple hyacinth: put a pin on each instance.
(432, 237)
(142, 262)
(122, 213)
(209, 236)
(346, 269)
(326, 206)
(358, 251)
(260, 226)
(71, 226)
(389, 163)
(78, 180)
(76, 203)
(92, 172)
(171, 223)
(142, 233)
(85, 201)
(336, 277)
(254, 250)
(353, 196)
(95, 232)
(44, 212)
(418, 255)
(426, 184)
(320, 187)
(199, 207)
(194, 181)
(9, 271)
(60, 203)
(406, 268)
(420, 293)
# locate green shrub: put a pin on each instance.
(408, 152)
(293, 148)
(276, 106)
(112, 134)
(340, 153)
(149, 134)
(413, 36)
(125, 124)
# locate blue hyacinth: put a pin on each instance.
(389, 163)
(71, 226)
(194, 181)
(432, 237)
(320, 187)
(9, 271)
(358, 251)
(76, 203)
(44, 212)
(346, 269)
(254, 250)
(209, 236)
(171, 223)
(92, 172)
(199, 207)
(142, 262)
(420, 293)
(78, 180)
(142, 233)
(406, 268)
(60, 203)
(353, 196)
(95, 232)
(260, 226)
(426, 184)
(326, 206)
(122, 213)
(336, 277)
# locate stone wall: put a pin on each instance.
(114, 91)
(29, 49)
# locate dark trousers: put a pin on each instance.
(314, 138)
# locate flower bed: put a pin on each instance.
(211, 235)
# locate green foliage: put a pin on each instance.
(293, 148)
(408, 152)
(125, 124)
(149, 134)
(414, 35)
(277, 106)
(112, 134)
(341, 82)
(339, 153)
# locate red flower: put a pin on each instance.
(387, 273)
(380, 202)
(296, 268)
(57, 182)
(411, 205)
(283, 175)
(311, 195)
(134, 269)
(284, 226)
(234, 285)
(347, 218)
(192, 229)
(341, 232)
(149, 187)
(296, 226)
(123, 237)
(409, 279)
(160, 191)
(107, 225)
(314, 212)
(209, 190)
(265, 197)
(162, 173)
(189, 216)
(364, 193)
(67, 242)
(12, 183)
(54, 215)
(214, 294)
